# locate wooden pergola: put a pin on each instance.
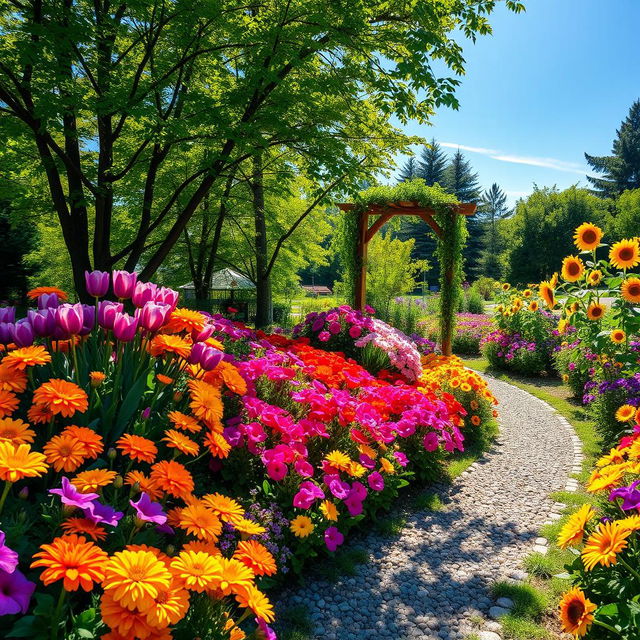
(382, 214)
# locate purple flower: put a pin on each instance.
(144, 292)
(70, 317)
(15, 592)
(8, 314)
(8, 557)
(401, 458)
(124, 284)
(337, 487)
(107, 313)
(153, 315)
(102, 514)
(630, 496)
(376, 481)
(70, 496)
(267, 632)
(124, 327)
(333, 538)
(97, 283)
(148, 511)
(22, 333)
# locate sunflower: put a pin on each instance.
(506, 286)
(72, 559)
(256, 557)
(137, 448)
(62, 397)
(533, 305)
(527, 293)
(329, 510)
(603, 544)
(573, 531)
(185, 320)
(617, 336)
(84, 526)
(248, 527)
(197, 570)
(92, 480)
(630, 289)
(184, 422)
(64, 453)
(144, 483)
(251, 597)
(206, 403)
(576, 612)
(596, 310)
(180, 442)
(90, 440)
(625, 413)
(201, 522)
(227, 509)
(572, 269)
(169, 607)
(12, 379)
(16, 431)
(20, 359)
(134, 578)
(172, 477)
(169, 344)
(338, 460)
(546, 292)
(587, 236)
(216, 444)
(128, 624)
(18, 462)
(625, 254)
(8, 403)
(301, 526)
(38, 291)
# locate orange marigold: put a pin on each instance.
(137, 448)
(252, 598)
(18, 462)
(184, 422)
(72, 559)
(217, 444)
(38, 291)
(128, 624)
(62, 397)
(162, 379)
(169, 607)
(185, 320)
(172, 477)
(39, 414)
(84, 526)
(64, 453)
(227, 509)
(92, 480)
(20, 359)
(8, 403)
(201, 522)
(206, 403)
(16, 431)
(90, 440)
(12, 379)
(97, 378)
(256, 556)
(162, 344)
(179, 441)
(144, 483)
(227, 373)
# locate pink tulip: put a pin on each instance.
(153, 315)
(70, 318)
(143, 292)
(168, 296)
(206, 356)
(124, 284)
(97, 283)
(124, 327)
(48, 301)
(203, 335)
(107, 313)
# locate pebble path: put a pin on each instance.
(434, 580)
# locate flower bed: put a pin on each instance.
(470, 330)
(164, 468)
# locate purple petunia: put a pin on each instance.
(15, 592)
(103, 514)
(8, 557)
(71, 497)
(333, 538)
(630, 496)
(148, 511)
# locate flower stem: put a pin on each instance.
(606, 626)
(56, 616)
(628, 566)
(5, 493)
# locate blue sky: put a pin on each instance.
(548, 85)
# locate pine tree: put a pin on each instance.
(492, 209)
(409, 170)
(433, 162)
(621, 170)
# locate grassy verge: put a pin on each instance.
(536, 601)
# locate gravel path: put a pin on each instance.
(434, 580)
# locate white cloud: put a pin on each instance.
(547, 163)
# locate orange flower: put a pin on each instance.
(62, 397)
(227, 509)
(197, 570)
(64, 452)
(179, 441)
(228, 373)
(169, 607)
(8, 403)
(12, 379)
(216, 444)
(630, 289)
(39, 414)
(201, 545)
(144, 483)
(206, 403)
(169, 344)
(184, 422)
(16, 431)
(185, 320)
(134, 578)
(256, 557)
(201, 522)
(234, 576)
(137, 448)
(38, 291)
(90, 481)
(18, 461)
(97, 378)
(84, 526)
(386, 466)
(128, 624)
(252, 598)
(74, 560)
(475, 420)
(162, 379)
(172, 477)
(20, 359)
(90, 440)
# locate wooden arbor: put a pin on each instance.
(384, 213)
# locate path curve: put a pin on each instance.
(428, 582)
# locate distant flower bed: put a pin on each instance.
(163, 468)
(470, 329)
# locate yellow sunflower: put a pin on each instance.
(625, 254)
(596, 310)
(572, 269)
(587, 236)
(630, 290)
(576, 612)
(604, 544)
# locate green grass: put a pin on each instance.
(295, 624)
(391, 526)
(344, 563)
(428, 502)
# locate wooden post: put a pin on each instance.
(361, 276)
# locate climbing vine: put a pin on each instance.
(346, 239)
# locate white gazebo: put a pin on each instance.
(226, 280)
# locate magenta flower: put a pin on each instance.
(48, 301)
(8, 557)
(102, 514)
(430, 441)
(337, 487)
(205, 355)
(353, 504)
(355, 331)
(333, 538)
(324, 336)
(376, 481)
(70, 496)
(70, 317)
(168, 296)
(359, 490)
(153, 315)
(277, 470)
(97, 283)
(124, 284)
(15, 592)
(267, 632)
(148, 511)
(205, 334)
(303, 468)
(307, 494)
(144, 292)
(366, 461)
(335, 328)
(124, 327)
(107, 313)
(630, 496)
(402, 459)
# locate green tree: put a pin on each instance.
(409, 170)
(625, 223)
(433, 164)
(492, 209)
(621, 170)
(113, 96)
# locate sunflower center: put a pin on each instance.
(575, 611)
(634, 289)
(589, 236)
(573, 268)
(626, 253)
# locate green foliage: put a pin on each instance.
(486, 287)
(572, 364)
(626, 221)
(17, 241)
(346, 241)
(473, 301)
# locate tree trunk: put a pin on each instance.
(264, 305)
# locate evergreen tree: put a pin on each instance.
(621, 170)
(493, 208)
(433, 164)
(409, 170)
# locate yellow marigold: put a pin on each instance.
(252, 598)
(632, 523)
(329, 510)
(301, 526)
(169, 607)
(16, 431)
(18, 462)
(197, 570)
(227, 509)
(604, 479)
(62, 397)
(248, 527)
(572, 269)
(604, 544)
(573, 531)
(615, 456)
(338, 460)
(386, 466)
(234, 575)
(625, 254)
(576, 612)
(625, 413)
(20, 359)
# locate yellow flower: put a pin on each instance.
(630, 290)
(197, 570)
(596, 310)
(587, 236)
(594, 278)
(625, 413)
(572, 269)
(338, 460)
(573, 531)
(617, 336)
(18, 462)
(386, 466)
(576, 612)
(604, 544)
(329, 510)
(625, 254)
(301, 526)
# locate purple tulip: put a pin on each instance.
(144, 292)
(23, 333)
(7, 314)
(97, 283)
(153, 315)
(15, 593)
(124, 284)
(70, 317)
(107, 313)
(205, 334)
(6, 332)
(205, 355)
(48, 301)
(89, 319)
(124, 327)
(168, 296)
(43, 322)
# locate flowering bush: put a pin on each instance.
(470, 329)
(163, 467)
